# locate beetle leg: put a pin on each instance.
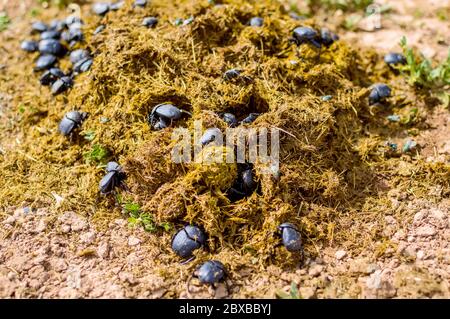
(184, 262)
(188, 284)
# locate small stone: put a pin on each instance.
(65, 229)
(420, 255)
(127, 277)
(419, 216)
(133, 241)
(307, 292)
(221, 291)
(41, 226)
(103, 250)
(88, 238)
(426, 231)
(340, 254)
(315, 270)
(10, 220)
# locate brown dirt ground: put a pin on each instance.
(43, 256)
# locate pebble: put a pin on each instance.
(307, 292)
(133, 241)
(103, 249)
(315, 270)
(10, 220)
(426, 231)
(340, 254)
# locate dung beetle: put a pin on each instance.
(72, 19)
(291, 237)
(51, 46)
(113, 178)
(45, 61)
(39, 27)
(250, 118)
(306, 34)
(29, 46)
(188, 239)
(150, 22)
(51, 34)
(78, 55)
(58, 25)
(211, 135)
(328, 37)
(117, 6)
(50, 76)
(231, 74)
(83, 65)
(162, 115)
(380, 91)
(101, 8)
(230, 119)
(256, 22)
(71, 121)
(62, 84)
(210, 272)
(394, 58)
(140, 3)
(245, 183)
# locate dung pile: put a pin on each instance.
(331, 148)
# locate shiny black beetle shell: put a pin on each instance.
(380, 91)
(256, 22)
(29, 46)
(150, 22)
(45, 61)
(306, 34)
(51, 46)
(113, 178)
(211, 272)
(230, 119)
(61, 85)
(291, 237)
(50, 76)
(163, 114)
(101, 8)
(394, 58)
(188, 239)
(71, 121)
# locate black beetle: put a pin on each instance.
(394, 58)
(328, 37)
(51, 34)
(250, 118)
(78, 55)
(61, 85)
(306, 34)
(210, 272)
(291, 237)
(51, 46)
(210, 135)
(162, 115)
(58, 25)
(113, 178)
(188, 239)
(83, 65)
(117, 5)
(231, 74)
(150, 22)
(45, 61)
(245, 183)
(256, 22)
(380, 91)
(101, 8)
(39, 27)
(50, 76)
(230, 119)
(71, 121)
(29, 46)
(140, 3)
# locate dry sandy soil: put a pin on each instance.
(46, 257)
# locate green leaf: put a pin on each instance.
(294, 291)
(4, 21)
